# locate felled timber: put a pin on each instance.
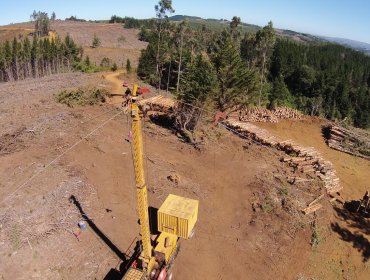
(351, 141)
(260, 114)
(312, 208)
(158, 103)
(304, 159)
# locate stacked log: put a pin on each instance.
(306, 160)
(259, 114)
(158, 103)
(348, 141)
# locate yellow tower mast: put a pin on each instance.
(141, 189)
(176, 217)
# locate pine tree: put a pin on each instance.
(128, 66)
(96, 42)
(198, 82)
(237, 84)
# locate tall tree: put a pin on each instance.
(181, 30)
(237, 83)
(235, 22)
(199, 81)
(162, 9)
(257, 50)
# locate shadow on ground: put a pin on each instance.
(126, 258)
(361, 229)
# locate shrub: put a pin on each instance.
(96, 42)
(105, 62)
(82, 96)
(114, 67)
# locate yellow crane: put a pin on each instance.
(176, 216)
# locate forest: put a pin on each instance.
(230, 69)
(221, 69)
(21, 59)
(40, 56)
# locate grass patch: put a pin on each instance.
(15, 237)
(315, 236)
(268, 204)
(82, 96)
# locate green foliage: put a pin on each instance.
(198, 82)
(86, 66)
(319, 79)
(42, 23)
(106, 62)
(74, 18)
(81, 97)
(315, 236)
(23, 59)
(96, 42)
(237, 83)
(128, 66)
(114, 67)
(130, 23)
(325, 79)
(280, 94)
(116, 19)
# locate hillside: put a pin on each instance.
(117, 43)
(219, 24)
(213, 24)
(360, 46)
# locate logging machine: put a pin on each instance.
(176, 217)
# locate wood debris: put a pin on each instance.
(351, 141)
(158, 103)
(312, 208)
(260, 114)
(305, 159)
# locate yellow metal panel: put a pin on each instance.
(134, 274)
(178, 215)
(166, 244)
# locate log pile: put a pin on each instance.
(306, 160)
(158, 103)
(348, 141)
(260, 114)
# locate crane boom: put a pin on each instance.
(176, 217)
(141, 189)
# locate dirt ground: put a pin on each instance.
(53, 176)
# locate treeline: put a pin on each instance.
(322, 79)
(205, 67)
(37, 58)
(229, 70)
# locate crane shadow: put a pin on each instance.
(98, 232)
(360, 226)
(126, 259)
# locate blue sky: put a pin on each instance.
(337, 18)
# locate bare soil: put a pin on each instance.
(248, 228)
(117, 43)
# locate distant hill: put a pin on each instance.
(211, 23)
(219, 24)
(357, 45)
